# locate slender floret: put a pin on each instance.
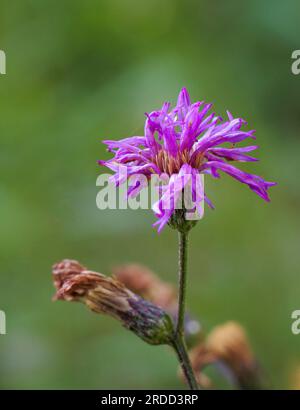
(183, 143)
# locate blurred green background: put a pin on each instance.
(79, 72)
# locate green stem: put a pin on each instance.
(182, 272)
(184, 360)
(179, 340)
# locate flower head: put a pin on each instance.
(183, 143)
(106, 295)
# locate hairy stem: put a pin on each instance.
(181, 350)
(179, 340)
(182, 273)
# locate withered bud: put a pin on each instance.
(147, 284)
(229, 343)
(107, 295)
(143, 281)
(228, 348)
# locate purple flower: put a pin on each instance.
(182, 143)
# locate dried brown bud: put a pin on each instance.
(65, 270)
(229, 343)
(107, 295)
(147, 284)
(228, 346)
(143, 281)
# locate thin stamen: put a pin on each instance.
(171, 165)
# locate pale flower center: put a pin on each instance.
(171, 165)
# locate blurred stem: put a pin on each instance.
(179, 340)
(184, 360)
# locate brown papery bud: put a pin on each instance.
(107, 295)
(147, 284)
(229, 345)
(143, 281)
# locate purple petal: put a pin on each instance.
(255, 182)
(234, 154)
(208, 201)
(166, 205)
(134, 141)
(209, 122)
(190, 127)
(183, 103)
(220, 134)
(170, 141)
(138, 182)
(123, 172)
(150, 129)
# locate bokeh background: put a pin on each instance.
(79, 72)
